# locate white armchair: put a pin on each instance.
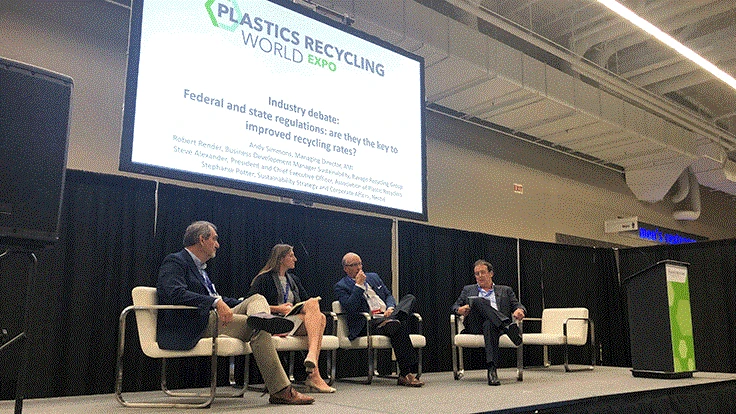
(145, 306)
(464, 340)
(373, 342)
(563, 327)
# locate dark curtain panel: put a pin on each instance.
(434, 265)
(108, 245)
(249, 228)
(82, 284)
(711, 278)
(612, 329)
(561, 276)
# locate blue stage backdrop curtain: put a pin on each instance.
(563, 276)
(434, 265)
(82, 283)
(712, 282)
(249, 228)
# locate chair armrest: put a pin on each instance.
(453, 326)
(529, 319)
(588, 320)
(418, 317)
(368, 318)
(131, 308)
(332, 316)
(127, 310)
(155, 307)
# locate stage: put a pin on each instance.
(544, 390)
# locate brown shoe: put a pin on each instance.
(409, 380)
(290, 396)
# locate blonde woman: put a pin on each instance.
(282, 290)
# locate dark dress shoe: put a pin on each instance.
(409, 380)
(400, 315)
(270, 323)
(512, 330)
(290, 396)
(388, 327)
(493, 377)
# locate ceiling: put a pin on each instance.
(573, 76)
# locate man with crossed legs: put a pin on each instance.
(488, 309)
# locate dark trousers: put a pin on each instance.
(406, 355)
(484, 319)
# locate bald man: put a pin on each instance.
(365, 292)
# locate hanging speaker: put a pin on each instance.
(34, 127)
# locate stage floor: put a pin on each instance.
(441, 394)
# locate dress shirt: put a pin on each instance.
(488, 294)
(207, 282)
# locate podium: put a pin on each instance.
(660, 323)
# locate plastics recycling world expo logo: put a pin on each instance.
(225, 14)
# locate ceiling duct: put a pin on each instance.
(694, 196)
(713, 169)
(585, 111)
(683, 187)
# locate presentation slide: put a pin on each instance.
(268, 99)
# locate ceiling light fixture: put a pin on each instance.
(669, 41)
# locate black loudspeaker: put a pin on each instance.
(34, 127)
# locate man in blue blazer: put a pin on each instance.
(365, 292)
(488, 309)
(183, 280)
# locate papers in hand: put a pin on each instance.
(293, 316)
(297, 308)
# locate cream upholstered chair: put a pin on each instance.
(330, 343)
(563, 327)
(373, 342)
(464, 340)
(145, 306)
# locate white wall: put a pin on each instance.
(471, 170)
(471, 186)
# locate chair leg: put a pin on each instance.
(520, 363)
(246, 373)
(455, 370)
(394, 374)
(241, 391)
(119, 378)
(371, 365)
(419, 362)
(369, 377)
(593, 350)
(591, 344)
(291, 366)
(332, 366)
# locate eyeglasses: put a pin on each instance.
(353, 264)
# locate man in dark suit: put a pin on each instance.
(365, 292)
(182, 280)
(488, 309)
